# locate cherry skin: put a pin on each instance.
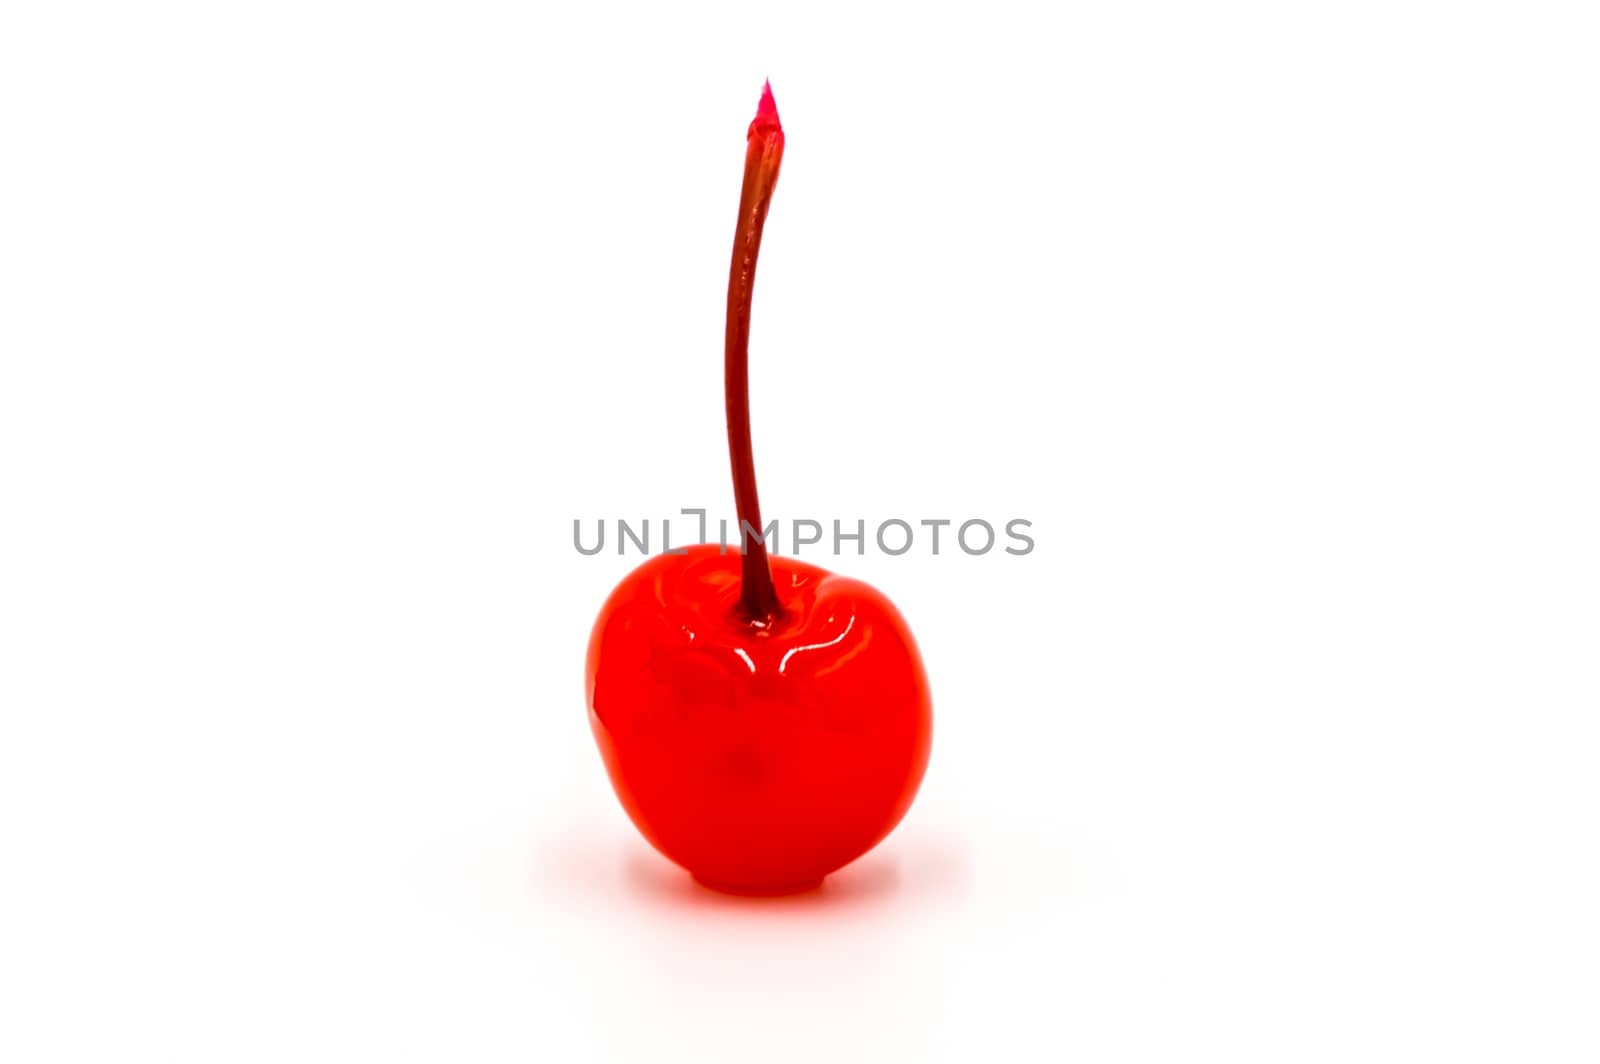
(759, 755)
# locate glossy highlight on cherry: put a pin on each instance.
(763, 721)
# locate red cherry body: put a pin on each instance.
(760, 756)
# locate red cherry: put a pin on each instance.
(763, 721)
(759, 758)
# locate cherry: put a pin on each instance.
(763, 721)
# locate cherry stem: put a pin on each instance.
(758, 598)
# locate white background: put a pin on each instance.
(321, 322)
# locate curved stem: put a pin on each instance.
(758, 598)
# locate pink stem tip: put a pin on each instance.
(766, 110)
